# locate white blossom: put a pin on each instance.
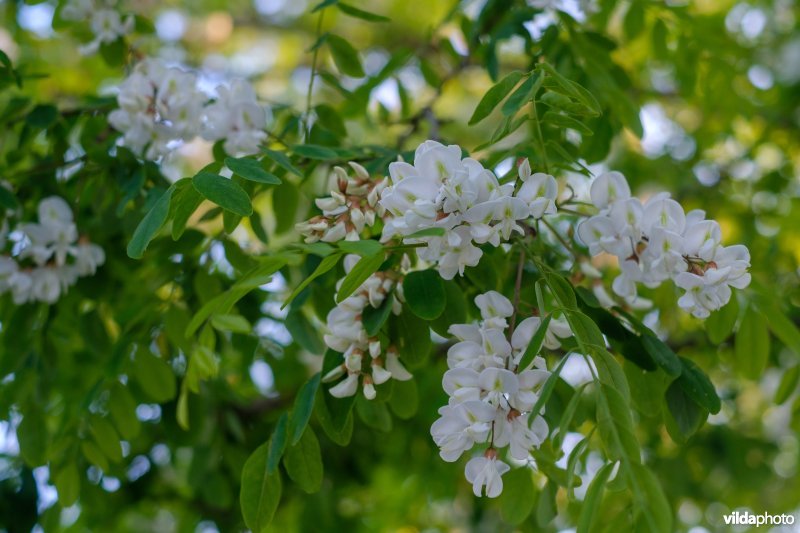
(490, 398)
(50, 257)
(655, 241)
(237, 117)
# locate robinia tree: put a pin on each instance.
(485, 265)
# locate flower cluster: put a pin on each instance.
(655, 241)
(49, 256)
(161, 106)
(351, 207)
(458, 195)
(237, 117)
(349, 336)
(105, 21)
(491, 398)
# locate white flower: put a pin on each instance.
(346, 387)
(539, 191)
(237, 117)
(608, 188)
(495, 308)
(486, 472)
(160, 107)
(515, 433)
(460, 426)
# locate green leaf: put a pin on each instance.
(455, 311)
(345, 56)
(610, 372)
(149, 226)
(585, 330)
(697, 385)
(751, 344)
(424, 293)
(495, 95)
(250, 169)
(594, 495)
(362, 270)
(347, 9)
(260, 492)
(404, 401)
(324, 266)
(122, 408)
(283, 161)
(548, 387)
(223, 192)
(224, 302)
(68, 484)
(33, 437)
(615, 425)
(324, 4)
(303, 407)
(374, 414)
(565, 121)
(573, 89)
(7, 198)
(779, 323)
(650, 498)
(374, 318)
(562, 290)
(787, 385)
(303, 462)
(185, 202)
(335, 416)
(661, 354)
(106, 438)
(413, 339)
(535, 346)
(313, 151)
(232, 323)
(362, 248)
(516, 500)
(521, 96)
(154, 376)
(572, 463)
(42, 116)
(277, 443)
(427, 232)
(720, 324)
(684, 412)
(285, 203)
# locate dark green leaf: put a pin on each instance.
(277, 443)
(223, 192)
(362, 270)
(250, 169)
(149, 226)
(362, 248)
(260, 492)
(516, 500)
(360, 13)
(303, 406)
(325, 265)
(494, 96)
(303, 462)
(345, 56)
(424, 293)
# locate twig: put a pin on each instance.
(313, 75)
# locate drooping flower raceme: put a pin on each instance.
(366, 362)
(491, 398)
(105, 21)
(350, 208)
(159, 107)
(48, 257)
(237, 117)
(460, 197)
(656, 240)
